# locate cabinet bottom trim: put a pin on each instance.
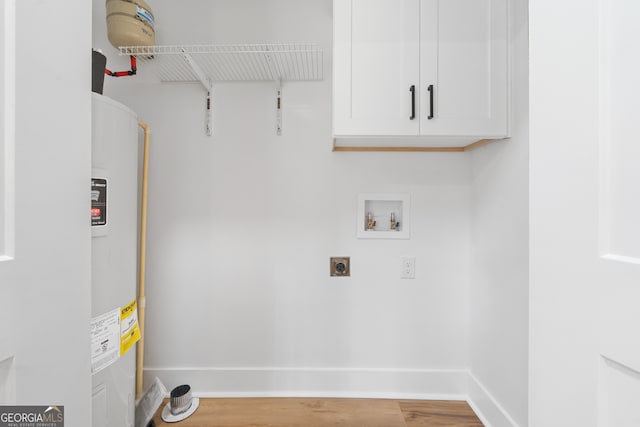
(469, 147)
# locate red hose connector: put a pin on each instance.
(131, 72)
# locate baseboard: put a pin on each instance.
(433, 384)
(423, 384)
(486, 407)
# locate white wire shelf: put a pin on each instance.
(246, 62)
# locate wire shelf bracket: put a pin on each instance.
(208, 86)
(253, 62)
(279, 108)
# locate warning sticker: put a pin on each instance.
(105, 331)
(98, 201)
(129, 328)
(112, 335)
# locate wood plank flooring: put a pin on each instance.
(299, 412)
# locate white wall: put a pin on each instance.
(46, 283)
(6, 96)
(564, 213)
(499, 266)
(242, 226)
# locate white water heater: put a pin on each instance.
(114, 201)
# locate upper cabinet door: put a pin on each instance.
(464, 68)
(376, 63)
(430, 68)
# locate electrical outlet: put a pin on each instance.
(339, 266)
(408, 268)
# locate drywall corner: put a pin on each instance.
(486, 407)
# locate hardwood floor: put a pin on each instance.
(298, 412)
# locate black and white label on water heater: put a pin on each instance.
(98, 201)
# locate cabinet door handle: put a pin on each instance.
(430, 89)
(412, 89)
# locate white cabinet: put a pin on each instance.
(376, 61)
(429, 68)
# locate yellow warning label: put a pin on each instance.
(129, 328)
